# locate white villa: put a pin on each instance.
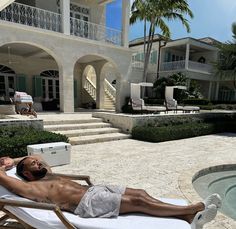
(193, 57)
(62, 51)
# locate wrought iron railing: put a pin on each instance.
(110, 90)
(36, 17)
(94, 31)
(31, 16)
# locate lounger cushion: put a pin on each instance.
(47, 219)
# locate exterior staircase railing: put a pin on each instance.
(110, 90)
(90, 88)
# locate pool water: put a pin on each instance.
(221, 182)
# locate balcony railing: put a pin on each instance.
(93, 31)
(175, 65)
(180, 65)
(140, 65)
(32, 16)
(200, 66)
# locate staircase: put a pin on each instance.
(110, 93)
(85, 131)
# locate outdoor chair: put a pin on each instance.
(172, 105)
(139, 105)
(32, 214)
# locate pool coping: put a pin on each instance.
(186, 187)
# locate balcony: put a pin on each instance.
(192, 65)
(39, 18)
(152, 68)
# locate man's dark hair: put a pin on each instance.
(20, 169)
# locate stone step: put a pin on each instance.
(97, 138)
(86, 132)
(72, 121)
(76, 126)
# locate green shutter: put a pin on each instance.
(21, 83)
(37, 86)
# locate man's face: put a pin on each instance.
(34, 169)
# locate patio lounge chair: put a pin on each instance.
(31, 214)
(172, 105)
(139, 105)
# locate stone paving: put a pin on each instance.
(163, 169)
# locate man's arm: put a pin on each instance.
(11, 162)
(19, 187)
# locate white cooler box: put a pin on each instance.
(55, 153)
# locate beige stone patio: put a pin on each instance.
(163, 169)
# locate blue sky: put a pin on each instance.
(212, 18)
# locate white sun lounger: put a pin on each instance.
(43, 219)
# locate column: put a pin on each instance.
(66, 76)
(100, 93)
(65, 16)
(217, 90)
(209, 90)
(125, 22)
(187, 55)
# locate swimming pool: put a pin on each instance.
(218, 179)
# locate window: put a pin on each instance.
(7, 82)
(50, 84)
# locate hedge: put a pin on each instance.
(195, 101)
(167, 133)
(14, 140)
(179, 127)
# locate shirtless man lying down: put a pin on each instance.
(42, 185)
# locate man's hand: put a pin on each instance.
(2, 169)
(6, 163)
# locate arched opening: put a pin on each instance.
(30, 69)
(95, 82)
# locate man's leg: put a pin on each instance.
(141, 193)
(132, 204)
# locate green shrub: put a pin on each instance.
(14, 140)
(225, 106)
(167, 133)
(154, 101)
(178, 127)
(195, 101)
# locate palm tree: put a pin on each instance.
(155, 13)
(226, 65)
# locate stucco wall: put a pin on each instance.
(35, 123)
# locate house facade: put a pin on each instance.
(193, 57)
(61, 50)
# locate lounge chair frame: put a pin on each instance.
(15, 203)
